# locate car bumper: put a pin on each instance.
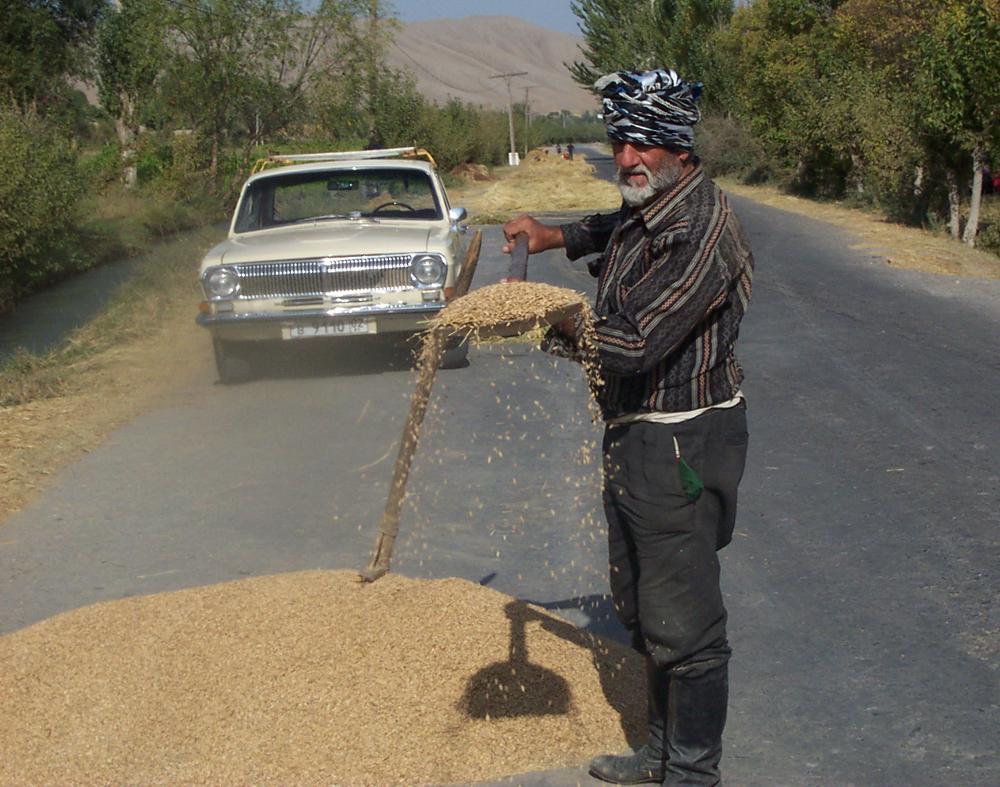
(264, 326)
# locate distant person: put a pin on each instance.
(673, 280)
(569, 150)
(559, 148)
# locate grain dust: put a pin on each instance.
(309, 678)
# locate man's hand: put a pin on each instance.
(541, 237)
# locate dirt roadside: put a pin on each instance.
(113, 387)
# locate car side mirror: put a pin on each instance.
(456, 215)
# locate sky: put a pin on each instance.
(551, 14)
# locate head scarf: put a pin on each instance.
(650, 108)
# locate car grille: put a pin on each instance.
(296, 278)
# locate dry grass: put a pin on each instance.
(901, 246)
(310, 678)
(541, 184)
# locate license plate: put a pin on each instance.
(346, 326)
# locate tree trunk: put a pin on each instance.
(372, 67)
(126, 140)
(954, 205)
(918, 181)
(856, 178)
(213, 167)
(978, 162)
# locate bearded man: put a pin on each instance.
(674, 279)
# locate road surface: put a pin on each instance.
(861, 584)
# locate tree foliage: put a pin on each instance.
(644, 34)
(131, 55)
(40, 44)
(892, 101)
(39, 201)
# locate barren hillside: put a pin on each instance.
(456, 57)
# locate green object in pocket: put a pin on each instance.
(690, 482)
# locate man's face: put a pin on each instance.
(646, 170)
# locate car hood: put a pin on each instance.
(323, 239)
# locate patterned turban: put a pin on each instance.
(650, 108)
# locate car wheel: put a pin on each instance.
(231, 362)
(455, 355)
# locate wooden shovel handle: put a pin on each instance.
(519, 258)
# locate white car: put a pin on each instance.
(332, 246)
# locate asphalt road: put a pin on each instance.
(861, 584)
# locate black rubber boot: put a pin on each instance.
(696, 717)
(646, 766)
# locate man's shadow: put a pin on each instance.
(516, 687)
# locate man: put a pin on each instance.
(674, 279)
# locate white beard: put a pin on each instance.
(662, 179)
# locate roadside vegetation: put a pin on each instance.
(893, 107)
(191, 95)
(886, 105)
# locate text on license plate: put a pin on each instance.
(344, 326)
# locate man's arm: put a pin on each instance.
(588, 236)
(541, 237)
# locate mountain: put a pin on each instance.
(455, 58)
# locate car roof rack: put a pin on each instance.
(286, 159)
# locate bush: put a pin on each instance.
(165, 217)
(458, 133)
(727, 148)
(39, 197)
(101, 168)
(988, 238)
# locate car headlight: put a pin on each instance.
(222, 283)
(428, 271)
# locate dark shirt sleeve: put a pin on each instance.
(685, 283)
(589, 235)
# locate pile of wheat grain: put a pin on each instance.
(511, 303)
(309, 678)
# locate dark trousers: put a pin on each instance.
(662, 544)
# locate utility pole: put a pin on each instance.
(527, 116)
(375, 17)
(510, 111)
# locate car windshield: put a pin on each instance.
(333, 195)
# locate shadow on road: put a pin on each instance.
(600, 612)
(308, 359)
(516, 687)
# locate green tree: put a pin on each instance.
(39, 202)
(131, 56)
(617, 34)
(358, 104)
(644, 34)
(241, 68)
(390, 117)
(40, 44)
(957, 88)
